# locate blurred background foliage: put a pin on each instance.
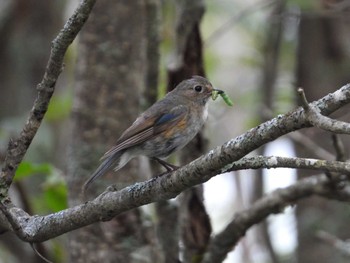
(234, 39)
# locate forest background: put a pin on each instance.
(128, 55)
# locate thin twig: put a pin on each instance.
(18, 147)
(272, 203)
(339, 148)
(311, 145)
(38, 253)
(269, 162)
(320, 121)
(338, 244)
(302, 96)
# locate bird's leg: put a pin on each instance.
(168, 166)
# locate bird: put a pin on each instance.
(165, 127)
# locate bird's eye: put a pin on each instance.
(198, 88)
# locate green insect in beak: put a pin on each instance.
(215, 93)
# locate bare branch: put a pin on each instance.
(320, 121)
(311, 145)
(18, 147)
(304, 102)
(259, 162)
(338, 244)
(326, 123)
(339, 148)
(112, 202)
(272, 203)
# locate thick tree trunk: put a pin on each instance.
(194, 222)
(110, 78)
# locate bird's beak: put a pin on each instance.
(218, 91)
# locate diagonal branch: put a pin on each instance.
(272, 203)
(339, 245)
(18, 147)
(318, 120)
(326, 123)
(307, 142)
(268, 162)
(113, 202)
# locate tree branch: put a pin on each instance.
(112, 202)
(339, 148)
(268, 162)
(18, 147)
(320, 121)
(310, 145)
(339, 245)
(272, 203)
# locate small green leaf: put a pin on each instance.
(56, 197)
(26, 169)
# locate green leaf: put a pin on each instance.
(55, 192)
(26, 169)
(56, 197)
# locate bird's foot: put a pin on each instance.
(168, 166)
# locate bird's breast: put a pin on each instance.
(205, 112)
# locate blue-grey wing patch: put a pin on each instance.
(154, 127)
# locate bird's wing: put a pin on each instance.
(146, 127)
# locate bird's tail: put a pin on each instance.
(105, 166)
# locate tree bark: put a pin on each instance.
(110, 75)
(194, 222)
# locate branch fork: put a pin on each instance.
(320, 121)
(228, 157)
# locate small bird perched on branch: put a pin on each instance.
(165, 127)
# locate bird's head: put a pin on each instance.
(197, 89)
